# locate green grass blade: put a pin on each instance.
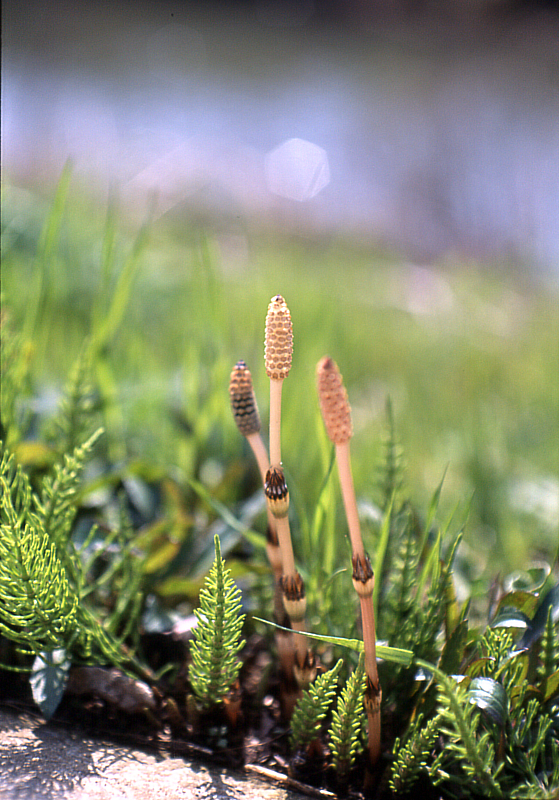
(255, 538)
(121, 295)
(381, 553)
(397, 655)
(45, 252)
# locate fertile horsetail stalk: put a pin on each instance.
(277, 358)
(247, 419)
(336, 414)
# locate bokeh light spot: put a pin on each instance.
(297, 169)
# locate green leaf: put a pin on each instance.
(433, 506)
(48, 679)
(529, 580)
(34, 455)
(46, 257)
(508, 617)
(490, 696)
(381, 553)
(521, 600)
(479, 666)
(106, 328)
(551, 687)
(453, 651)
(255, 538)
(537, 625)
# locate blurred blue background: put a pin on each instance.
(426, 127)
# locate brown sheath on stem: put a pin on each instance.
(291, 583)
(305, 670)
(277, 494)
(294, 598)
(277, 499)
(364, 584)
(295, 604)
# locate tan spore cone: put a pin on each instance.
(243, 401)
(279, 339)
(334, 404)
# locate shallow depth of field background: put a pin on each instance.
(393, 173)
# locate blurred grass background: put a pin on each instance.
(467, 354)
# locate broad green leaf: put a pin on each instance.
(538, 623)
(510, 618)
(521, 600)
(48, 679)
(180, 587)
(162, 556)
(490, 696)
(529, 580)
(36, 455)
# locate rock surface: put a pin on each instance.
(39, 761)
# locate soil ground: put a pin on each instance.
(41, 761)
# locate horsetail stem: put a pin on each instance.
(245, 413)
(336, 413)
(294, 601)
(277, 358)
(247, 419)
(277, 500)
(364, 584)
(277, 494)
(295, 604)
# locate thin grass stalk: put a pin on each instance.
(336, 414)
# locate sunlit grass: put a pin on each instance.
(468, 357)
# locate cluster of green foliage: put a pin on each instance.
(476, 711)
(52, 587)
(217, 637)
